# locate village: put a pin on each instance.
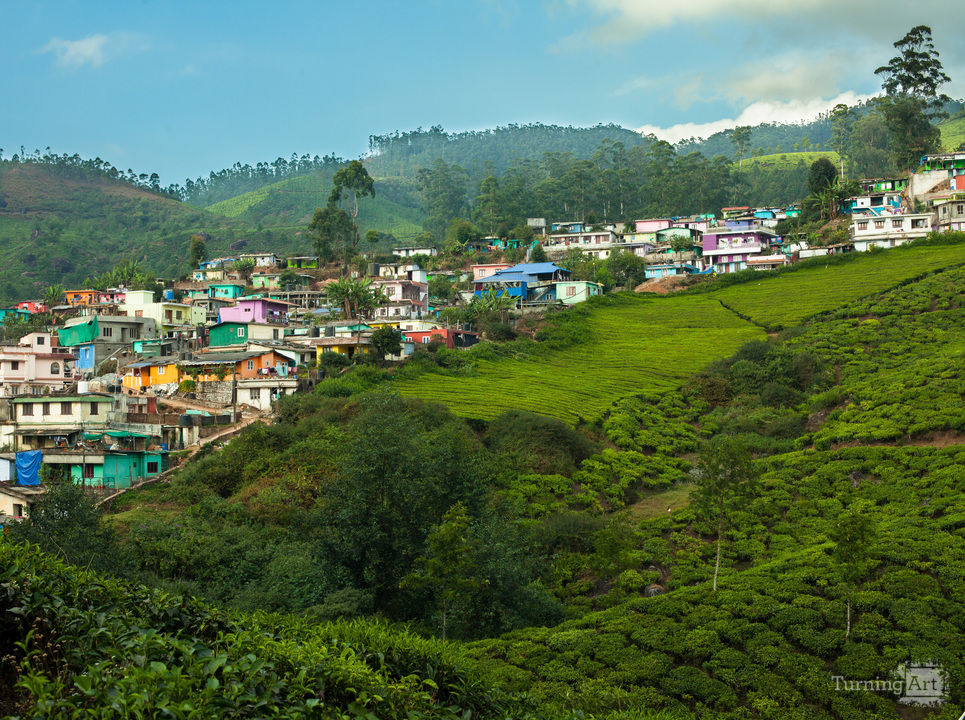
(120, 385)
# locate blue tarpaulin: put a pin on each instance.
(28, 467)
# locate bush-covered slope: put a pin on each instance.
(79, 644)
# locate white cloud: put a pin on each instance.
(756, 113)
(93, 50)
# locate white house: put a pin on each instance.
(889, 231)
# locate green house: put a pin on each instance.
(117, 469)
(226, 290)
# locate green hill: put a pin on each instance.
(60, 227)
(784, 161)
(636, 344)
(953, 131)
(396, 207)
(358, 501)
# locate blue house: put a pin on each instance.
(529, 282)
(23, 315)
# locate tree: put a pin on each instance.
(538, 255)
(197, 251)
(458, 236)
(486, 210)
(386, 341)
(912, 80)
(372, 237)
(446, 568)
(245, 267)
(822, 175)
(52, 296)
(290, 279)
(853, 535)
(331, 232)
(740, 137)
(352, 182)
(726, 481)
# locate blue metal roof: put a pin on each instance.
(523, 272)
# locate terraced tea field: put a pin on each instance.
(648, 343)
(786, 299)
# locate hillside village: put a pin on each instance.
(115, 380)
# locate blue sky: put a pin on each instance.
(183, 88)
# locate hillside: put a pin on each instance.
(953, 131)
(575, 567)
(59, 228)
(641, 343)
(395, 209)
(788, 160)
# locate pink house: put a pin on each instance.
(258, 310)
(35, 364)
(481, 271)
(651, 225)
(31, 306)
(728, 250)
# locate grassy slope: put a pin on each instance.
(790, 159)
(786, 299)
(291, 202)
(953, 131)
(655, 343)
(640, 344)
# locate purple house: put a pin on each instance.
(728, 249)
(257, 310)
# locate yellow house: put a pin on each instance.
(157, 371)
(346, 346)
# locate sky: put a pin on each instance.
(184, 88)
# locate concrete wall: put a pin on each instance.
(214, 392)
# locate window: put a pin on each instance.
(94, 408)
(107, 332)
(138, 313)
(28, 410)
(55, 368)
(241, 332)
(88, 472)
(570, 291)
(17, 510)
(66, 408)
(14, 364)
(251, 364)
(41, 339)
(274, 334)
(879, 224)
(254, 394)
(960, 209)
(152, 467)
(46, 409)
(896, 224)
(863, 225)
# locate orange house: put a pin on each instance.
(81, 297)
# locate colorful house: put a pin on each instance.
(727, 250)
(302, 262)
(570, 292)
(659, 270)
(23, 315)
(528, 282)
(266, 281)
(31, 306)
(226, 290)
(449, 337)
(891, 231)
(256, 310)
(225, 334)
(36, 364)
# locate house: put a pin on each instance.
(398, 271)
(170, 317)
(246, 364)
(226, 290)
(669, 269)
(538, 225)
(527, 282)
(497, 244)
(728, 249)
(15, 500)
(570, 292)
(211, 306)
(261, 393)
(50, 422)
(732, 212)
(210, 274)
(567, 227)
(298, 355)
(222, 262)
(262, 259)
(347, 346)
(256, 310)
(94, 338)
(481, 271)
(160, 370)
(891, 231)
(81, 297)
(302, 262)
(875, 203)
(35, 364)
(224, 334)
(768, 262)
(950, 212)
(595, 242)
(449, 337)
(31, 306)
(404, 299)
(109, 460)
(22, 315)
(412, 250)
(266, 281)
